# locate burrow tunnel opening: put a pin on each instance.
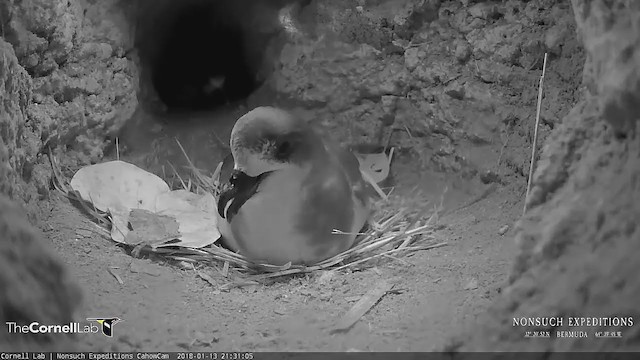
(202, 54)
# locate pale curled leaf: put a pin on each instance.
(195, 214)
(118, 185)
(376, 165)
(142, 207)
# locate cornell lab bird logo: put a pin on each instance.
(106, 324)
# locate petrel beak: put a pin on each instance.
(229, 191)
(240, 188)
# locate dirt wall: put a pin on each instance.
(34, 284)
(579, 242)
(452, 85)
(70, 84)
(65, 85)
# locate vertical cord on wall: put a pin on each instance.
(535, 133)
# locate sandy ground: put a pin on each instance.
(440, 292)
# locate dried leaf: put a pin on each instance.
(151, 228)
(376, 165)
(119, 185)
(142, 201)
(206, 277)
(119, 224)
(195, 214)
(362, 306)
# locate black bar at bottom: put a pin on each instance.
(248, 355)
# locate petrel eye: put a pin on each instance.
(233, 179)
(283, 150)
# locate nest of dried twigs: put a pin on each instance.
(391, 235)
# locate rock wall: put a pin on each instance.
(33, 283)
(68, 84)
(65, 86)
(453, 83)
(579, 241)
(16, 92)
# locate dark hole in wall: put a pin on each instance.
(202, 61)
(201, 54)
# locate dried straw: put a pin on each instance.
(534, 149)
(393, 234)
